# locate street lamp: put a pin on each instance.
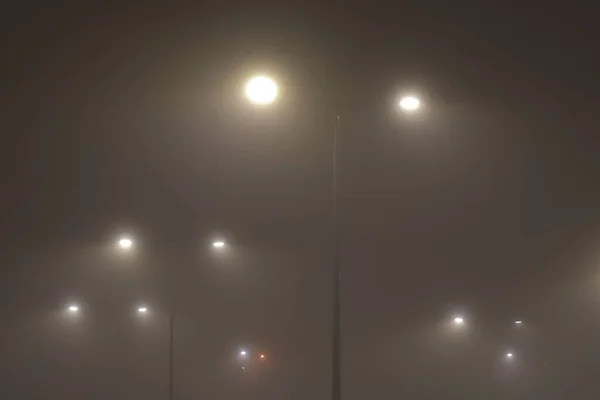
(125, 243)
(409, 103)
(73, 309)
(243, 353)
(261, 90)
(518, 322)
(459, 321)
(218, 244)
(509, 356)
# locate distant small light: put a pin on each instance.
(73, 309)
(459, 321)
(509, 355)
(243, 353)
(143, 310)
(219, 244)
(518, 322)
(262, 356)
(243, 367)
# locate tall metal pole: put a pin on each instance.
(171, 354)
(336, 390)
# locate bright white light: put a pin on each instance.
(143, 310)
(261, 90)
(243, 353)
(459, 320)
(73, 309)
(410, 103)
(509, 355)
(219, 244)
(518, 322)
(125, 243)
(262, 356)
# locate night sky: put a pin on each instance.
(131, 119)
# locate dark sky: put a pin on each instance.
(130, 118)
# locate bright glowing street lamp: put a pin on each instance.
(218, 244)
(509, 355)
(518, 322)
(143, 310)
(261, 90)
(73, 309)
(125, 243)
(459, 321)
(409, 103)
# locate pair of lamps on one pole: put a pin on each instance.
(263, 90)
(126, 243)
(460, 321)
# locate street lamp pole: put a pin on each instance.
(408, 104)
(171, 353)
(336, 390)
